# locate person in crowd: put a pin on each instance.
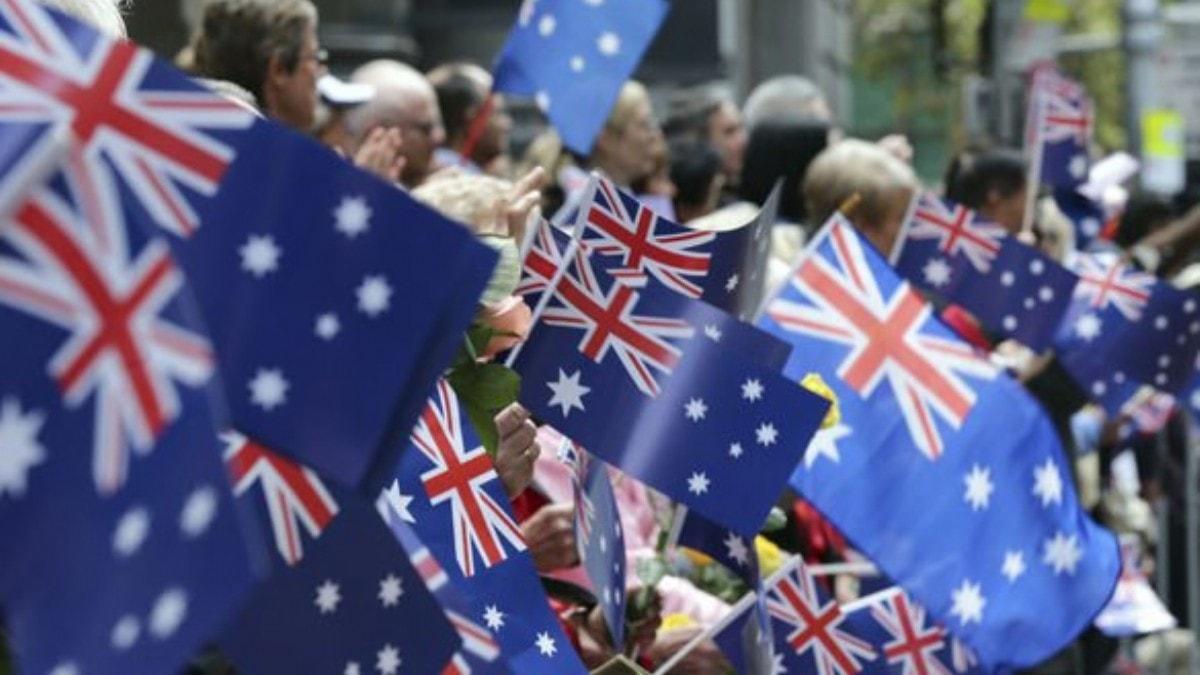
(657, 190)
(882, 184)
(703, 114)
(991, 182)
(696, 172)
(462, 90)
(625, 149)
(403, 100)
(267, 47)
(104, 15)
(786, 97)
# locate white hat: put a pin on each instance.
(342, 94)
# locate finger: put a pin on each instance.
(510, 419)
(531, 181)
(521, 436)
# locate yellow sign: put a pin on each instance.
(1162, 133)
(1047, 11)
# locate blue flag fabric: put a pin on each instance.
(598, 536)
(904, 638)
(446, 489)
(122, 550)
(1062, 121)
(736, 552)
(1125, 326)
(348, 605)
(659, 386)
(966, 473)
(736, 280)
(1087, 217)
(1015, 290)
(301, 290)
(573, 57)
(479, 653)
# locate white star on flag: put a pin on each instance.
(20, 450)
(260, 255)
(712, 333)
(736, 548)
(968, 603)
(1062, 553)
(387, 660)
(752, 390)
(547, 24)
(374, 295)
(1047, 483)
(568, 393)
(396, 502)
(125, 633)
(545, 644)
(731, 284)
(353, 216)
(698, 483)
(937, 272)
(1014, 565)
(824, 444)
(327, 326)
(168, 613)
(735, 450)
(198, 511)
(268, 389)
(493, 617)
(695, 409)
(766, 434)
(978, 487)
(390, 590)
(329, 595)
(1087, 327)
(131, 531)
(578, 64)
(608, 43)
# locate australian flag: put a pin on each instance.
(447, 491)
(573, 57)
(810, 633)
(348, 606)
(122, 549)
(1060, 129)
(1086, 216)
(598, 536)
(1015, 290)
(301, 289)
(678, 404)
(969, 476)
(734, 551)
(905, 638)
(736, 280)
(1126, 327)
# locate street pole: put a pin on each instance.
(1143, 33)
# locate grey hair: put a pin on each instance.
(786, 98)
(396, 86)
(104, 15)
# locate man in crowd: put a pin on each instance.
(705, 115)
(267, 47)
(462, 92)
(405, 100)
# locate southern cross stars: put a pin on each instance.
(698, 483)
(353, 216)
(1062, 553)
(824, 444)
(545, 644)
(1087, 327)
(260, 255)
(568, 392)
(387, 660)
(390, 590)
(766, 434)
(735, 547)
(1014, 565)
(374, 295)
(752, 390)
(1047, 483)
(329, 595)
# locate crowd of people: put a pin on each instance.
(698, 157)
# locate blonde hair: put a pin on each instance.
(476, 201)
(882, 182)
(633, 95)
(103, 15)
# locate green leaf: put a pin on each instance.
(776, 520)
(484, 421)
(487, 385)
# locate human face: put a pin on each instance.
(1009, 212)
(627, 154)
(494, 142)
(727, 134)
(422, 132)
(292, 96)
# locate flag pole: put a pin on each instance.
(478, 125)
(1034, 183)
